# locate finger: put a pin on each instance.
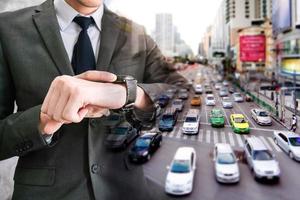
(99, 76)
(60, 105)
(96, 111)
(44, 107)
(53, 102)
(72, 108)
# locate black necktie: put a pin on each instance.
(83, 55)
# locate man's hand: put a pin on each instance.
(70, 99)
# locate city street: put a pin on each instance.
(205, 185)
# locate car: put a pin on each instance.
(225, 83)
(237, 97)
(260, 160)
(196, 101)
(216, 118)
(225, 164)
(191, 122)
(239, 124)
(168, 120)
(163, 100)
(227, 102)
(113, 119)
(261, 116)
(208, 90)
(170, 93)
(231, 90)
(223, 92)
(183, 95)
(177, 104)
(289, 142)
(181, 172)
(218, 86)
(145, 146)
(210, 100)
(121, 136)
(198, 89)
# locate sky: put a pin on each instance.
(191, 17)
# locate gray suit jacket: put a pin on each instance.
(76, 165)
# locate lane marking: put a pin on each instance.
(239, 140)
(164, 134)
(223, 138)
(207, 136)
(185, 137)
(266, 143)
(231, 140)
(215, 137)
(200, 137)
(271, 141)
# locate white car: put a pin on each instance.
(237, 97)
(260, 160)
(218, 86)
(210, 100)
(198, 89)
(180, 177)
(227, 102)
(177, 104)
(289, 142)
(225, 83)
(261, 116)
(191, 122)
(226, 165)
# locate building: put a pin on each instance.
(164, 33)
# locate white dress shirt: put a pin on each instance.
(69, 30)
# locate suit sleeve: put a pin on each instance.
(158, 77)
(19, 133)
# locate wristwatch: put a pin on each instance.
(131, 90)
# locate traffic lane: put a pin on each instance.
(205, 185)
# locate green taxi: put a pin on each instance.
(216, 118)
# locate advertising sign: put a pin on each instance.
(290, 66)
(281, 16)
(253, 48)
(297, 14)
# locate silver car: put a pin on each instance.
(227, 102)
(177, 104)
(261, 116)
(223, 92)
(260, 160)
(289, 142)
(237, 97)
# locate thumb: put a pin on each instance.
(97, 76)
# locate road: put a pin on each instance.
(205, 185)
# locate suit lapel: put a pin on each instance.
(46, 22)
(109, 38)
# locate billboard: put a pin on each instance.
(290, 66)
(281, 16)
(297, 14)
(252, 48)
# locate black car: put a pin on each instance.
(163, 100)
(145, 146)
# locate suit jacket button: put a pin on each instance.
(95, 168)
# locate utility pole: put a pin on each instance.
(294, 96)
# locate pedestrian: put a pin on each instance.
(59, 63)
(294, 123)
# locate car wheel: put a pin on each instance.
(148, 157)
(291, 155)
(275, 140)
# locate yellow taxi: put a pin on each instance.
(196, 101)
(239, 124)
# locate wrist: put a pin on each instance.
(143, 101)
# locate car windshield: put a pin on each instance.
(226, 158)
(142, 142)
(167, 117)
(180, 166)
(210, 98)
(239, 120)
(295, 141)
(238, 95)
(190, 119)
(263, 114)
(120, 130)
(114, 117)
(196, 98)
(227, 100)
(176, 102)
(217, 113)
(262, 155)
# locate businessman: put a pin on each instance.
(58, 62)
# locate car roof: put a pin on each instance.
(148, 134)
(256, 143)
(210, 95)
(237, 115)
(224, 147)
(287, 133)
(183, 153)
(193, 112)
(259, 110)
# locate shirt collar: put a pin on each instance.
(65, 14)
